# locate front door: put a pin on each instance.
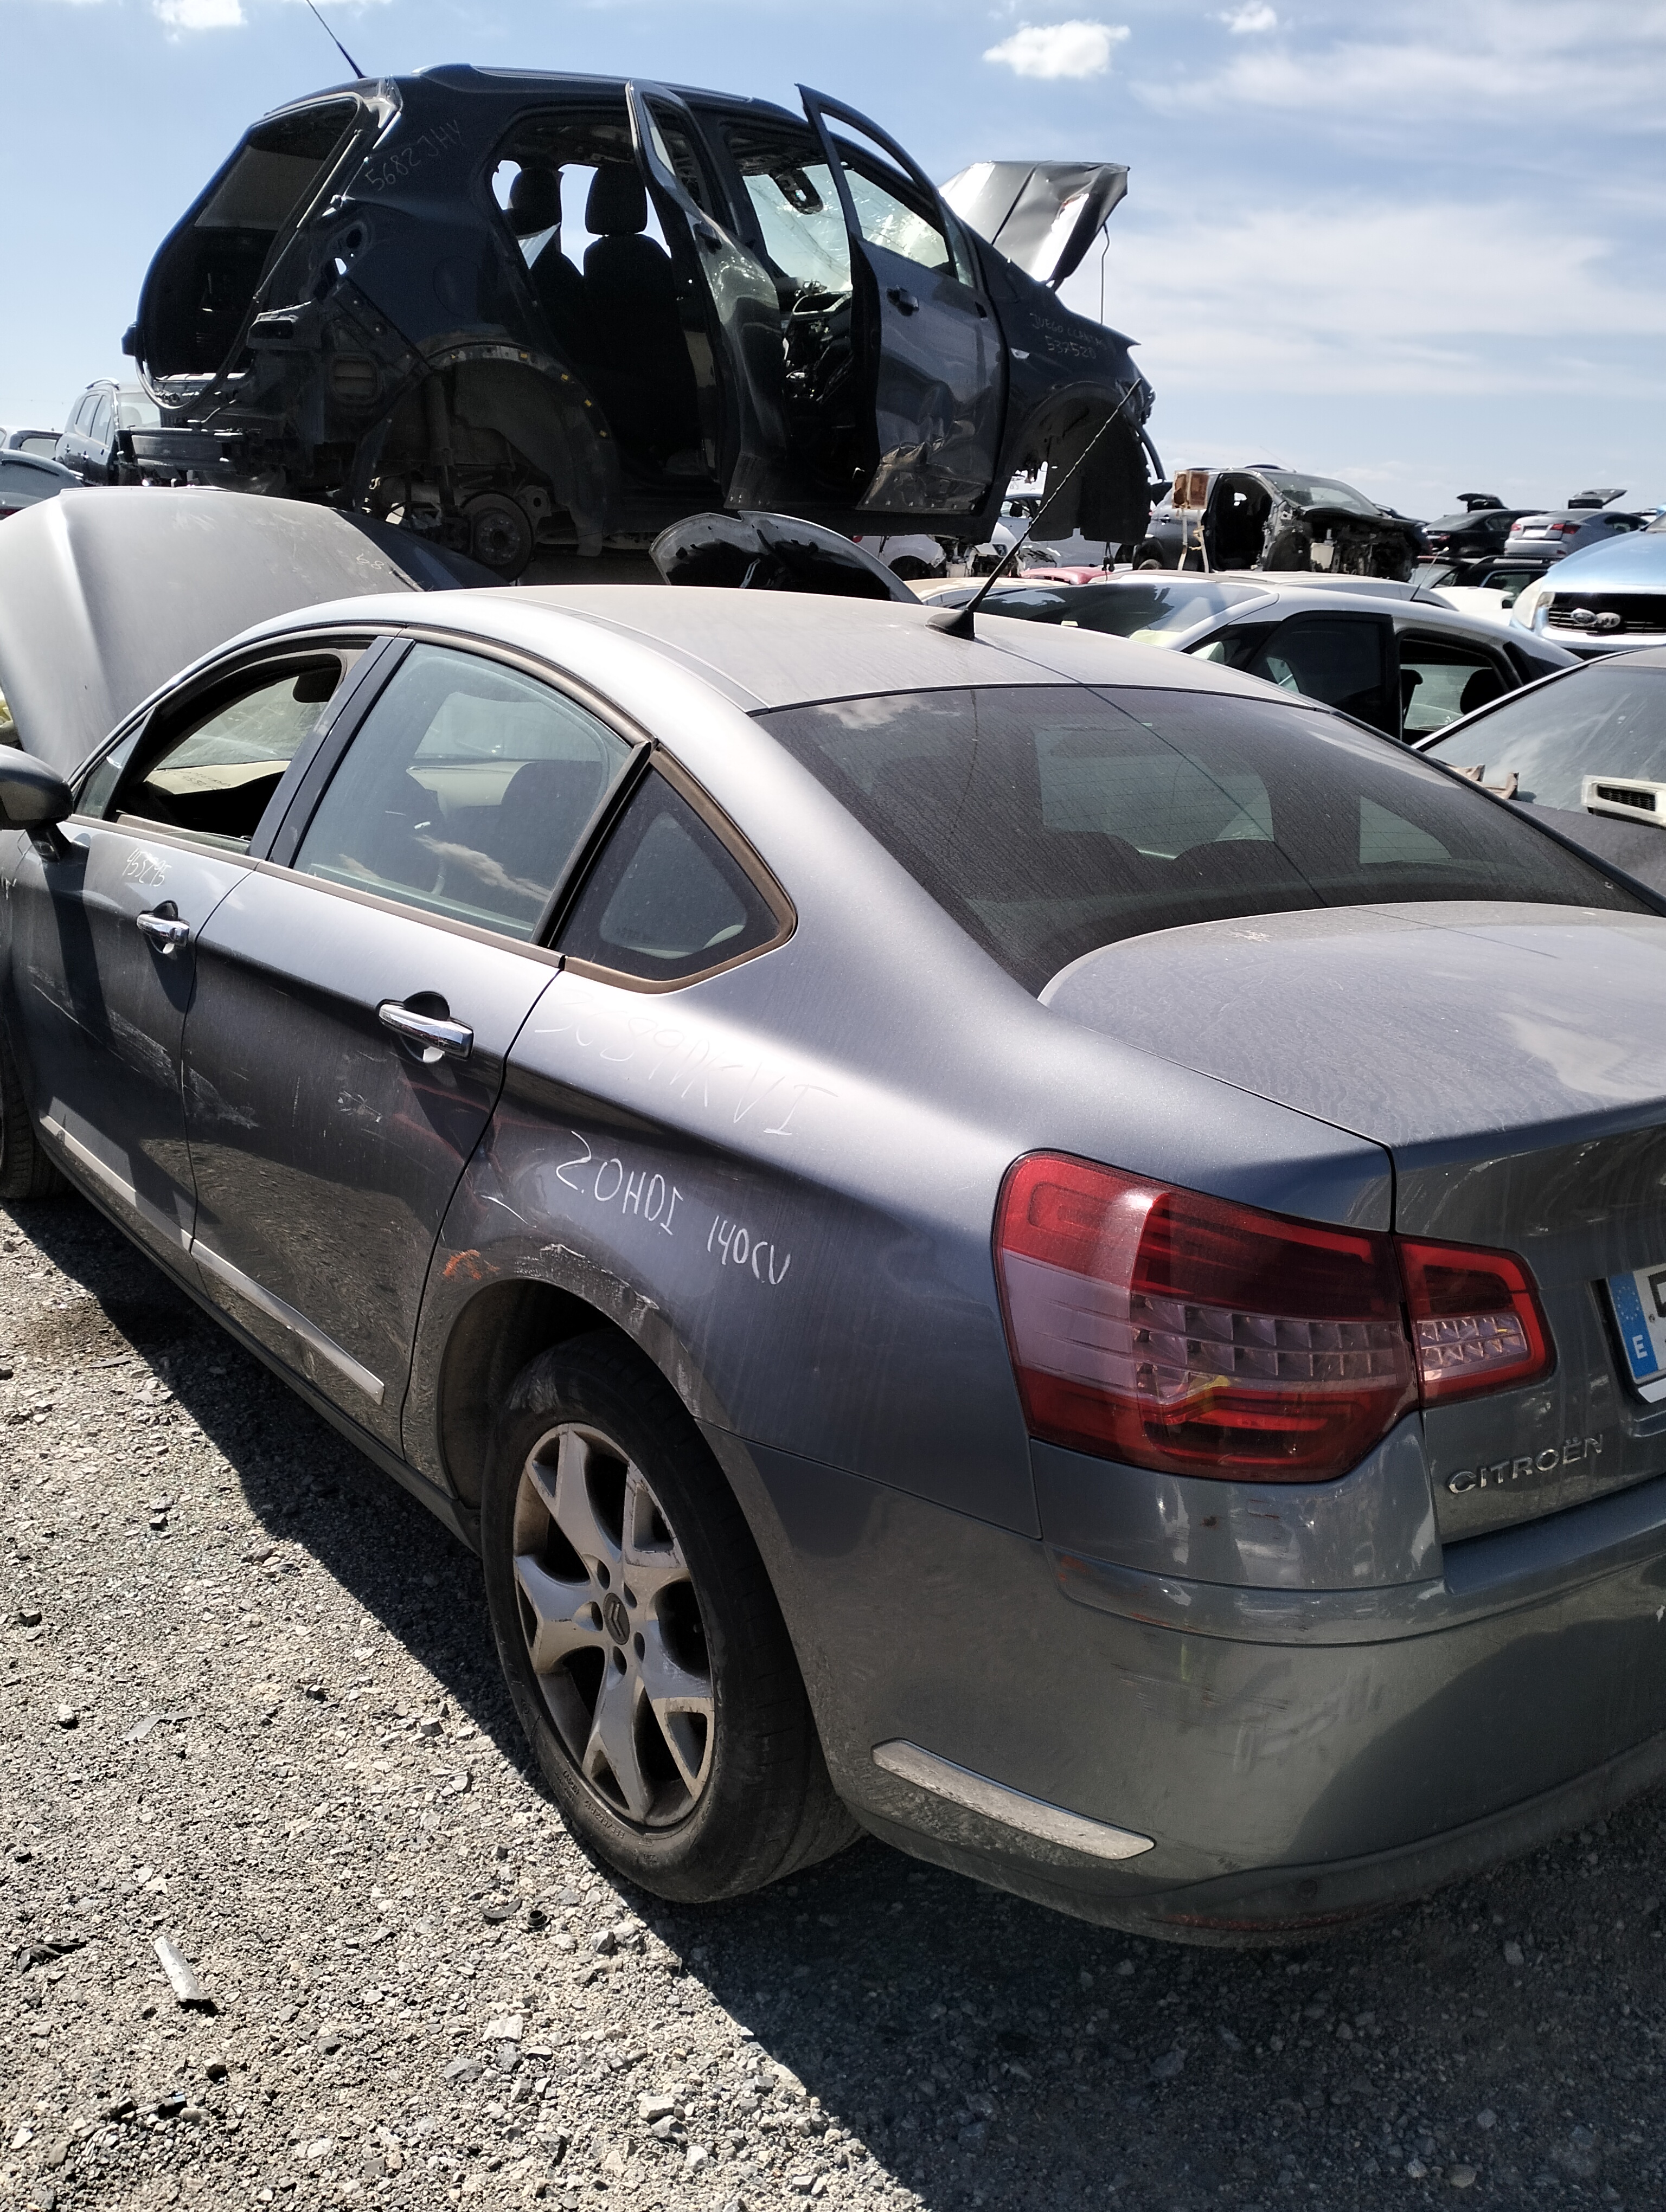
(103, 961)
(741, 395)
(105, 958)
(354, 1001)
(934, 364)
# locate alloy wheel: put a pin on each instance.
(613, 1626)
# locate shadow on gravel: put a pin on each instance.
(989, 2052)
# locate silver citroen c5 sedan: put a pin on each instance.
(1015, 1240)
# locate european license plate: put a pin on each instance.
(1639, 1309)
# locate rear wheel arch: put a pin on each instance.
(506, 1325)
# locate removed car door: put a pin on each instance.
(932, 349)
(357, 997)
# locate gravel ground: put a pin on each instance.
(250, 1708)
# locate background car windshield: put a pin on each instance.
(1608, 720)
(1051, 821)
(1122, 610)
(1321, 491)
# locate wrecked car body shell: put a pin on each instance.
(1267, 517)
(370, 303)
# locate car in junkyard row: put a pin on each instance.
(1590, 518)
(706, 1088)
(1265, 517)
(1469, 542)
(96, 439)
(1586, 753)
(1394, 655)
(28, 478)
(385, 298)
(1604, 598)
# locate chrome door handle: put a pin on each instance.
(436, 1039)
(163, 929)
(904, 301)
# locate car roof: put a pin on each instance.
(762, 650)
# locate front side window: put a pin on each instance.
(1608, 718)
(465, 792)
(666, 899)
(214, 777)
(1050, 821)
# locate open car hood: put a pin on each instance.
(105, 595)
(1041, 215)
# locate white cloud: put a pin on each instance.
(200, 15)
(1425, 62)
(1443, 298)
(1051, 49)
(1255, 15)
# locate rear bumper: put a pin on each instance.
(1298, 1760)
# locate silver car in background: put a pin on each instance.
(1015, 1241)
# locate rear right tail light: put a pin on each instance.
(1197, 1336)
(1193, 1335)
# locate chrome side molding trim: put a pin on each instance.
(117, 1185)
(245, 1287)
(1033, 1816)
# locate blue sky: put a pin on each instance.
(1413, 244)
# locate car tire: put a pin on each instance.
(25, 1169)
(646, 1654)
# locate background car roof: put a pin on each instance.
(105, 595)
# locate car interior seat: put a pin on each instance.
(1482, 688)
(541, 816)
(535, 206)
(631, 288)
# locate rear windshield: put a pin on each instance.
(1607, 719)
(1131, 609)
(281, 164)
(1052, 820)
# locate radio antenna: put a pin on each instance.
(337, 43)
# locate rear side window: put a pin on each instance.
(1606, 719)
(668, 900)
(1049, 821)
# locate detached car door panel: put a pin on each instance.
(933, 352)
(353, 1011)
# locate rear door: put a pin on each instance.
(740, 381)
(356, 996)
(932, 354)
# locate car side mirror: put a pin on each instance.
(36, 798)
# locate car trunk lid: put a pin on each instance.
(1512, 1060)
